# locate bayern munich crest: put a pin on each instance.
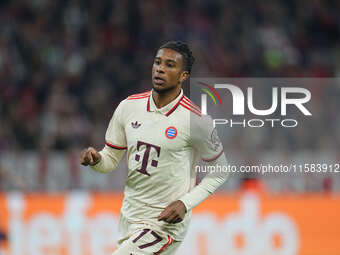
(171, 132)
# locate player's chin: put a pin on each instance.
(159, 88)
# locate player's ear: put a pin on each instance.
(184, 75)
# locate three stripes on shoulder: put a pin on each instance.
(184, 102)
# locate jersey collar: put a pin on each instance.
(165, 110)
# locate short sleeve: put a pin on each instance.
(204, 138)
(115, 134)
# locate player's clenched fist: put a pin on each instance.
(90, 157)
(173, 213)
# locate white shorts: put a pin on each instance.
(144, 240)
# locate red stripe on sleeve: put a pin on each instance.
(115, 146)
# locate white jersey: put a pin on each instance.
(162, 151)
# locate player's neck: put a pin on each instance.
(162, 100)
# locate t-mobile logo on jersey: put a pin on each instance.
(146, 155)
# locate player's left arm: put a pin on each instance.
(205, 140)
(209, 184)
(175, 212)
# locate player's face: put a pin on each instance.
(167, 71)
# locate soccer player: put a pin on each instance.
(164, 134)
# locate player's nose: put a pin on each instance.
(160, 69)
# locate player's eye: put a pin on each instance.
(157, 61)
(170, 65)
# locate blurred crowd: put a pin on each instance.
(65, 65)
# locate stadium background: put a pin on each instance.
(64, 67)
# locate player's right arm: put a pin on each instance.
(90, 157)
(104, 161)
(115, 146)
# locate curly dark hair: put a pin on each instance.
(183, 49)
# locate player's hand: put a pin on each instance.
(173, 213)
(90, 157)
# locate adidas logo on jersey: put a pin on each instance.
(136, 124)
